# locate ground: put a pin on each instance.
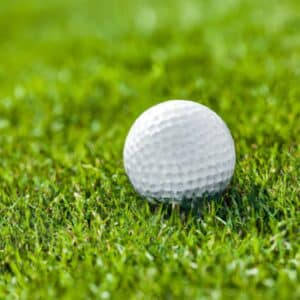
(74, 75)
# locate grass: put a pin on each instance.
(73, 78)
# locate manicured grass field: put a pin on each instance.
(74, 75)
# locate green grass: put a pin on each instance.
(73, 78)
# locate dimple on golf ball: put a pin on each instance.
(179, 150)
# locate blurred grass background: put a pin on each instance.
(73, 77)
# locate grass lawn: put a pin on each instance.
(74, 75)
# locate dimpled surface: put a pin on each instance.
(179, 150)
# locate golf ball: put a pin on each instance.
(179, 150)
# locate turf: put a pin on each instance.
(74, 75)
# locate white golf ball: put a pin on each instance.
(179, 150)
